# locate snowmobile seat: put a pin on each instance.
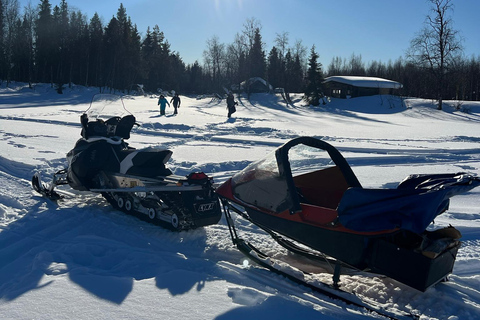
(318, 215)
(323, 188)
(145, 162)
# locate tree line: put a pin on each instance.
(60, 46)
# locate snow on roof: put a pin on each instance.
(365, 82)
(257, 79)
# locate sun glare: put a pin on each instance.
(222, 6)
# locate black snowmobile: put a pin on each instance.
(135, 181)
(308, 198)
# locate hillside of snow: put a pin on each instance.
(81, 259)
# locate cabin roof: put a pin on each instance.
(365, 82)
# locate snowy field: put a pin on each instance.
(81, 259)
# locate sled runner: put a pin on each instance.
(307, 193)
(135, 181)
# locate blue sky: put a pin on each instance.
(375, 29)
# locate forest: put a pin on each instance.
(57, 45)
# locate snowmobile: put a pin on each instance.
(135, 181)
(307, 197)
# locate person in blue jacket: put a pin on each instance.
(162, 102)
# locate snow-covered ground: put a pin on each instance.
(81, 259)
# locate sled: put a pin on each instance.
(307, 192)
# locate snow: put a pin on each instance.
(365, 82)
(81, 259)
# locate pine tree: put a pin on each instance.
(122, 51)
(314, 91)
(133, 56)
(257, 57)
(274, 69)
(288, 70)
(10, 20)
(294, 74)
(60, 45)
(45, 52)
(154, 55)
(122, 48)
(112, 53)
(78, 48)
(22, 51)
(194, 75)
(95, 52)
(176, 78)
(3, 59)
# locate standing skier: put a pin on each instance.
(176, 103)
(162, 102)
(231, 104)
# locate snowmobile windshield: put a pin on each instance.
(261, 184)
(304, 159)
(276, 182)
(106, 106)
(264, 183)
(107, 117)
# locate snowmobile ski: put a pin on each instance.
(45, 190)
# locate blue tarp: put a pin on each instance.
(412, 206)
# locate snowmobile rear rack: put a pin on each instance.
(129, 183)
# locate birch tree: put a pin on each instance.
(436, 45)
